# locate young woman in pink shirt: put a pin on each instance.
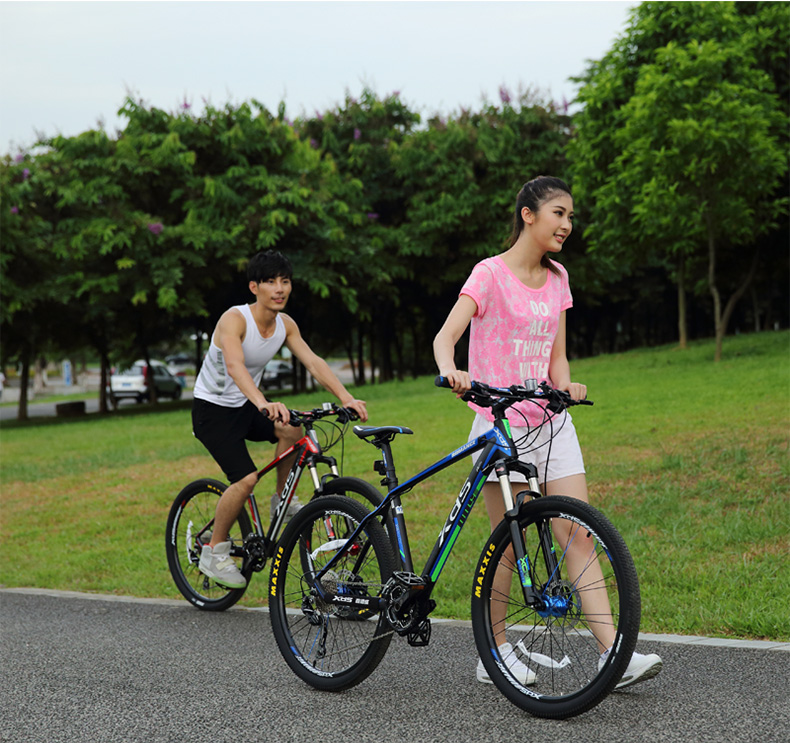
(516, 304)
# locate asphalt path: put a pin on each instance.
(100, 669)
(47, 409)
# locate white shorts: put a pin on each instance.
(564, 456)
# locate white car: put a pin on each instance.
(135, 382)
(276, 374)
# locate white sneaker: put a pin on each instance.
(293, 507)
(218, 565)
(523, 673)
(641, 668)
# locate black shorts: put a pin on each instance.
(224, 431)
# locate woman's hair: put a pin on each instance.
(533, 195)
(267, 265)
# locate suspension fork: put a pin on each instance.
(546, 538)
(531, 595)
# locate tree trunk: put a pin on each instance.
(714, 290)
(361, 354)
(682, 310)
(740, 291)
(721, 319)
(372, 352)
(198, 350)
(104, 382)
(24, 381)
(755, 309)
(385, 346)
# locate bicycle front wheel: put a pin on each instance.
(330, 647)
(588, 601)
(189, 526)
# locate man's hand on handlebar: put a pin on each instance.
(276, 411)
(358, 406)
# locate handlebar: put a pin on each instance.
(302, 417)
(486, 396)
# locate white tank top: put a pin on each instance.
(214, 384)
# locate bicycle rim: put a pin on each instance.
(363, 492)
(330, 647)
(558, 640)
(188, 528)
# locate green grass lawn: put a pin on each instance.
(688, 458)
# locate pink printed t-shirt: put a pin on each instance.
(513, 330)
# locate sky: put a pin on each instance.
(66, 66)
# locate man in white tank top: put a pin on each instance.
(229, 405)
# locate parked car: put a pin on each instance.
(135, 382)
(276, 374)
(179, 362)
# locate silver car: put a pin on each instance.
(135, 382)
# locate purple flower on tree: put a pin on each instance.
(26, 173)
(156, 227)
(313, 143)
(504, 94)
(357, 133)
(14, 210)
(373, 215)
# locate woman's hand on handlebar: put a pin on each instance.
(459, 381)
(577, 391)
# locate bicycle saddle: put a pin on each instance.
(365, 432)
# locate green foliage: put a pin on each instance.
(682, 144)
(127, 243)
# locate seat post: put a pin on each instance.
(386, 466)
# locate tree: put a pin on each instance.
(361, 137)
(641, 217)
(461, 177)
(29, 283)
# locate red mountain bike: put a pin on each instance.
(191, 519)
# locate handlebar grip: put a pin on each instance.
(344, 415)
(441, 381)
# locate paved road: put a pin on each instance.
(95, 669)
(47, 409)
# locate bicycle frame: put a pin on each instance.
(308, 455)
(498, 453)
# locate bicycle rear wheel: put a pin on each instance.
(330, 647)
(189, 527)
(363, 492)
(578, 563)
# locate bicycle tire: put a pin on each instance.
(366, 494)
(329, 647)
(557, 640)
(192, 511)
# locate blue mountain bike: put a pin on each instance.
(555, 585)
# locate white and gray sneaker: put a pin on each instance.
(218, 565)
(641, 668)
(522, 672)
(293, 507)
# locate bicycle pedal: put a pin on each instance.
(420, 636)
